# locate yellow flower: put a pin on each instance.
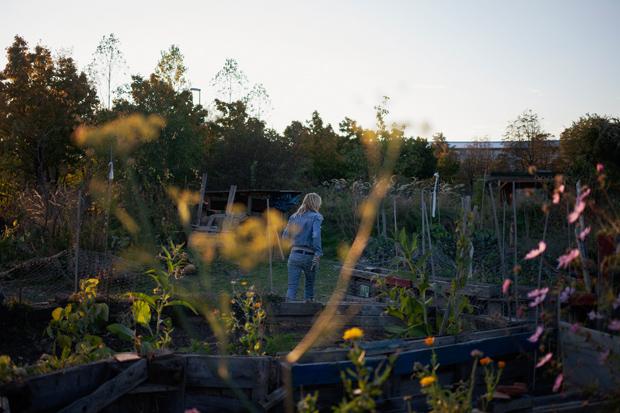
(429, 341)
(353, 334)
(501, 364)
(427, 381)
(485, 361)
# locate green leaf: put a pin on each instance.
(182, 303)
(144, 297)
(102, 312)
(57, 313)
(395, 330)
(122, 331)
(63, 341)
(141, 312)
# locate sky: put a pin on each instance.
(465, 68)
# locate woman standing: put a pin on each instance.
(304, 230)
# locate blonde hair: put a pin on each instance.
(311, 202)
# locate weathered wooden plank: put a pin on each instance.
(581, 355)
(230, 371)
(329, 373)
(110, 390)
(214, 404)
(295, 308)
(50, 392)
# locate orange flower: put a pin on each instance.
(429, 341)
(485, 361)
(257, 305)
(427, 381)
(353, 334)
(501, 364)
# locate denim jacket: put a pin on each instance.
(305, 231)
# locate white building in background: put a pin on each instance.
(494, 148)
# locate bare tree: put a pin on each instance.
(107, 61)
(230, 81)
(258, 101)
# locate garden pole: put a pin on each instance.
(484, 184)
(422, 217)
(270, 247)
(497, 233)
(430, 244)
(395, 223)
(77, 241)
(203, 187)
(516, 240)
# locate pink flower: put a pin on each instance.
(566, 293)
(593, 315)
(537, 300)
(194, 410)
(584, 194)
(538, 292)
(561, 189)
(600, 167)
(544, 360)
(538, 295)
(574, 328)
(583, 234)
(506, 285)
(614, 325)
(558, 382)
(556, 198)
(534, 338)
(580, 206)
(542, 246)
(567, 258)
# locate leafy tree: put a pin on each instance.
(178, 154)
(242, 151)
(416, 159)
(590, 140)
(527, 144)
(447, 159)
(355, 156)
(171, 68)
(107, 60)
(317, 148)
(42, 101)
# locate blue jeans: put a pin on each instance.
(298, 263)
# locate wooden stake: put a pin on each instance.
(270, 247)
(77, 241)
(516, 241)
(497, 233)
(203, 188)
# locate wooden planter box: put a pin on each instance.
(582, 363)
(175, 382)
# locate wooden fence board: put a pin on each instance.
(110, 390)
(329, 373)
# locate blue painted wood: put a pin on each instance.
(329, 372)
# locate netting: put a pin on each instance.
(53, 278)
(495, 244)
